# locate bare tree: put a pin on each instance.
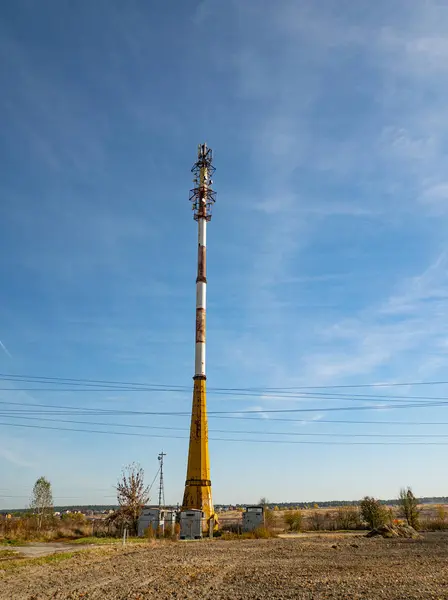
(42, 500)
(132, 495)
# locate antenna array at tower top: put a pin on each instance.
(202, 196)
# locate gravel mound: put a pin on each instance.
(394, 531)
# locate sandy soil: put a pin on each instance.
(310, 567)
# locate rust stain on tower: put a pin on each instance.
(198, 486)
(200, 325)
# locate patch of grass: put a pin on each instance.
(8, 553)
(54, 558)
(109, 540)
(13, 542)
(96, 540)
(43, 560)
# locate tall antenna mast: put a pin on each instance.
(161, 484)
(198, 490)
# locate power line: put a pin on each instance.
(77, 381)
(280, 395)
(281, 441)
(293, 433)
(94, 382)
(239, 395)
(92, 411)
(344, 421)
(65, 411)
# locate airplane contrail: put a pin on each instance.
(5, 349)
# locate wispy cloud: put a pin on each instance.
(406, 333)
(15, 458)
(5, 349)
(310, 420)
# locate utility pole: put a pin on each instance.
(198, 486)
(161, 485)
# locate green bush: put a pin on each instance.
(373, 512)
(294, 520)
(409, 508)
(77, 518)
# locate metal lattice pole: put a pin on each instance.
(161, 484)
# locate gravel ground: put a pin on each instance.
(311, 567)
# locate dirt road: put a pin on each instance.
(302, 568)
(42, 549)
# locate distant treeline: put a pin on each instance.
(336, 503)
(283, 505)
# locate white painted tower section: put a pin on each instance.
(201, 297)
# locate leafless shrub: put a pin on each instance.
(317, 520)
(348, 517)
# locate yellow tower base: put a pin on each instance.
(198, 487)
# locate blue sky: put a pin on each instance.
(327, 252)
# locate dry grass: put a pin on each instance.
(25, 529)
(261, 533)
(433, 517)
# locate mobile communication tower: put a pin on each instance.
(198, 487)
